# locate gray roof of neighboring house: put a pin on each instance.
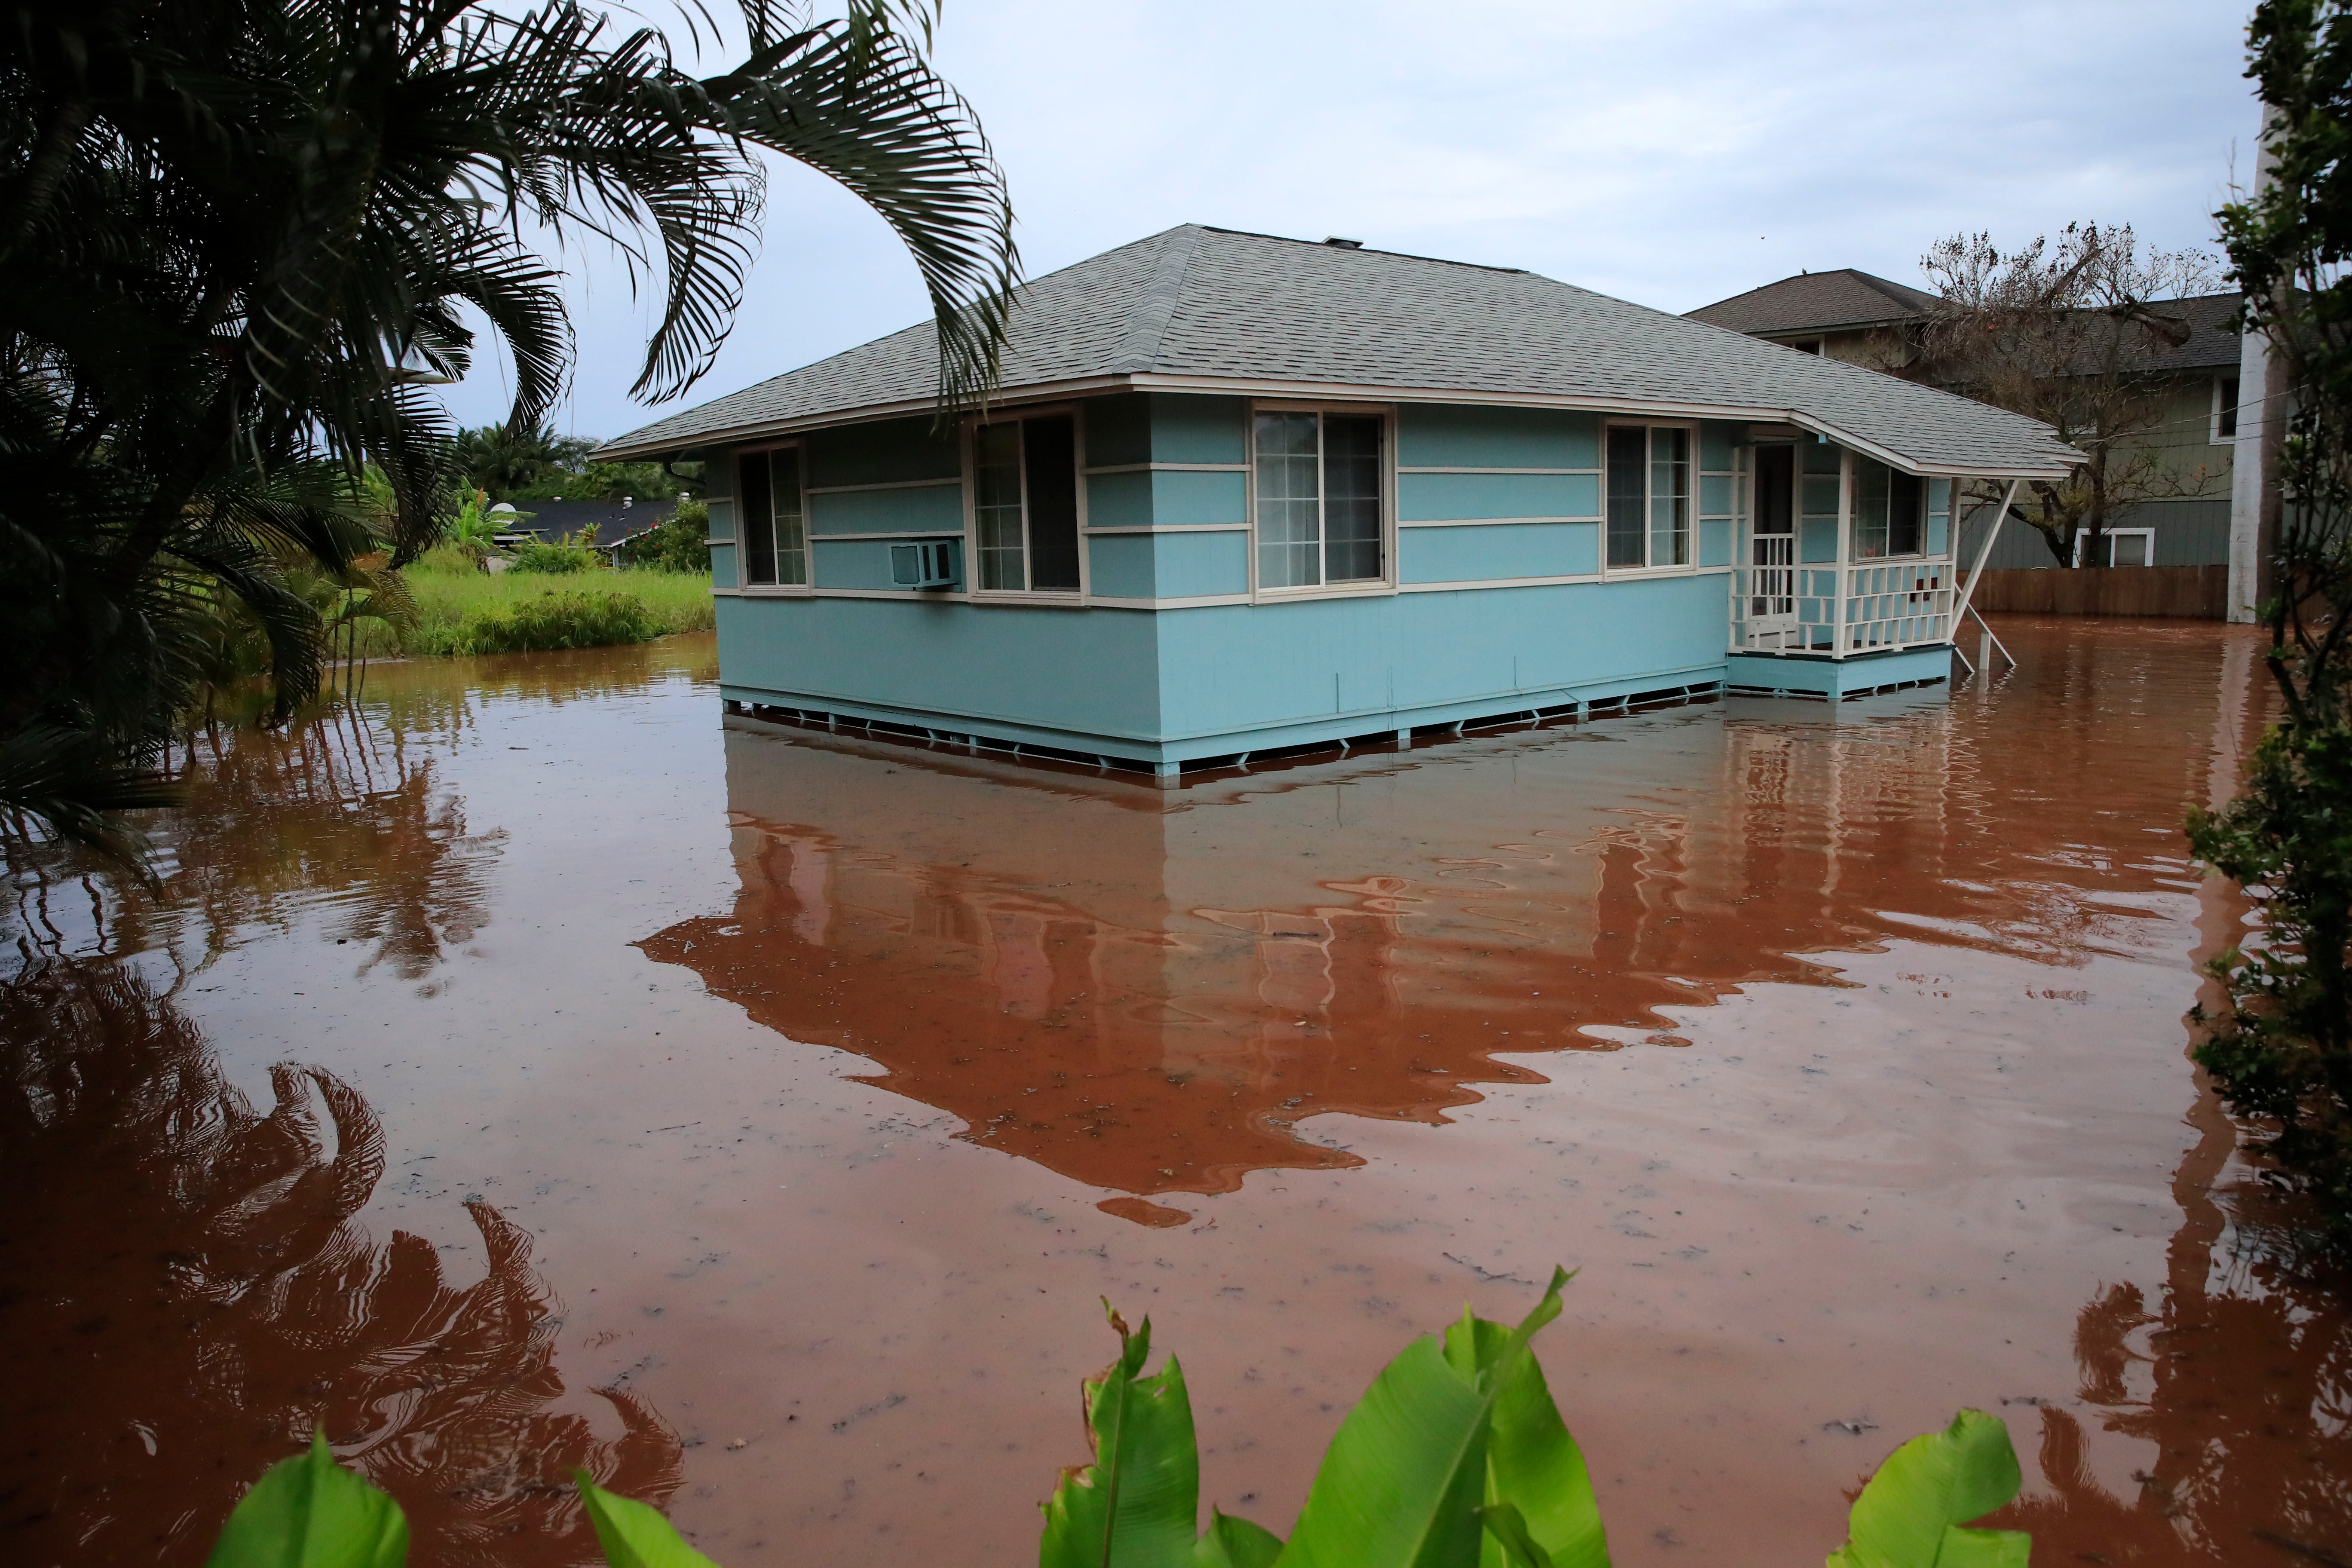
(2213, 344)
(1818, 302)
(1824, 301)
(606, 521)
(1210, 308)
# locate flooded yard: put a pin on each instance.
(545, 1073)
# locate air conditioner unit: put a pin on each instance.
(931, 565)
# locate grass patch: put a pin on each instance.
(464, 611)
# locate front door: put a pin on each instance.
(1773, 550)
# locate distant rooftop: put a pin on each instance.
(1850, 299)
(1819, 301)
(1198, 309)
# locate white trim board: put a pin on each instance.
(882, 485)
(1244, 387)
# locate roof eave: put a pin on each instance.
(626, 449)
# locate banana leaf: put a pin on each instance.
(1406, 1476)
(310, 1512)
(1535, 1477)
(1231, 1542)
(1134, 1506)
(1911, 1513)
(633, 1534)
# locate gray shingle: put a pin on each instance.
(1815, 301)
(1281, 311)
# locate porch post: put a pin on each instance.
(1984, 552)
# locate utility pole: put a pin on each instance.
(2254, 458)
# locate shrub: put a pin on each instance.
(681, 543)
(559, 621)
(572, 555)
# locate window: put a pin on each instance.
(1649, 496)
(772, 523)
(2225, 409)
(2119, 547)
(1890, 511)
(1319, 499)
(1026, 504)
(1810, 346)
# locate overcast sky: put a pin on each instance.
(1671, 152)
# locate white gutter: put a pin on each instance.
(1049, 392)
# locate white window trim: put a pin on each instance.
(1060, 597)
(808, 532)
(2213, 436)
(1624, 574)
(1354, 588)
(1854, 557)
(2083, 542)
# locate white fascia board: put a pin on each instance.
(627, 450)
(1248, 386)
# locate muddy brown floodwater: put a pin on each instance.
(542, 1074)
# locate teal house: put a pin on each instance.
(1240, 494)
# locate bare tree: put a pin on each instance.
(2068, 333)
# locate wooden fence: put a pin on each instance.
(2193, 593)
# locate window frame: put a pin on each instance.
(1074, 412)
(2109, 536)
(1324, 587)
(1689, 427)
(1919, 514)
(807, 584)
(2232, 406)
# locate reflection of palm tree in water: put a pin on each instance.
(185, 1293)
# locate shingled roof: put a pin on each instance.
(1819, 301)
(1211, 309)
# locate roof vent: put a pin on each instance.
(1345, 243)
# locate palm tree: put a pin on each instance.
(239, 241)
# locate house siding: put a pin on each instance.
(1165, 661)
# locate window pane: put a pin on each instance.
(1289, 501)
(791, 529)
(1052, 468)
(758, 520)
(1670, 531)
(1628, 451)
(996, 504)
(2129, 549)
(1351, 498)
(1907, 513)
(2225, 424)
(1869, 509)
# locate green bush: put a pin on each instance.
(559, 621)
(1455, 1457)
(681, 543)
(569, 556)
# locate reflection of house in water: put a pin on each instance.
(1146, 992)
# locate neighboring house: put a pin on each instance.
(603, 524)
(1239, 493)
(1869, 320)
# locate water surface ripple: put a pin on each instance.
(543, 1073)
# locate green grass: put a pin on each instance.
(475, 612)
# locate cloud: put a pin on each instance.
(1673, 153)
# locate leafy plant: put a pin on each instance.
(555, 621)
(2283, 1052)
(1912, 1513)
(310, 1512)
(1455, 1457)
(680, 543)
(573, 553)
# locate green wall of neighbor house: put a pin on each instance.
(2188, 529)
(1155, 669)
